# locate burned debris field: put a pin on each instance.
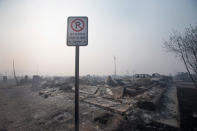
(105, 104)
(98, 65)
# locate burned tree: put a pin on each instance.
(185, 47)
(15, 74)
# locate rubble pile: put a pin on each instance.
(109, 81)
(122, 99)
(49, 92)
(143, 81)
(150, 100)
(92, 80)
(122, 96)
(108, 120)
(53, 87)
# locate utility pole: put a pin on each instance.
(37, 70)
(114, 66)
(127, 72)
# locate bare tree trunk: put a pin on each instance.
(15, 74)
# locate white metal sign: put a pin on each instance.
(77, 31)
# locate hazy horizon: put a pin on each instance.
(33, 33)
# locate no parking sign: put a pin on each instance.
(77, 31)
(77, 35)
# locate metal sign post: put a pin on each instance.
(77, 89)
(77, 35)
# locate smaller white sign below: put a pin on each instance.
(77, 31)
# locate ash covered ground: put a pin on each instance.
(106, 104)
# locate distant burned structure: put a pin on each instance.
(5, 78)
(156, 75)
(142, 76)
(36, 78)
(24, 80)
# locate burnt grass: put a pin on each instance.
(187, 98)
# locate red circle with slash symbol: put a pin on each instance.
(77, 25)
